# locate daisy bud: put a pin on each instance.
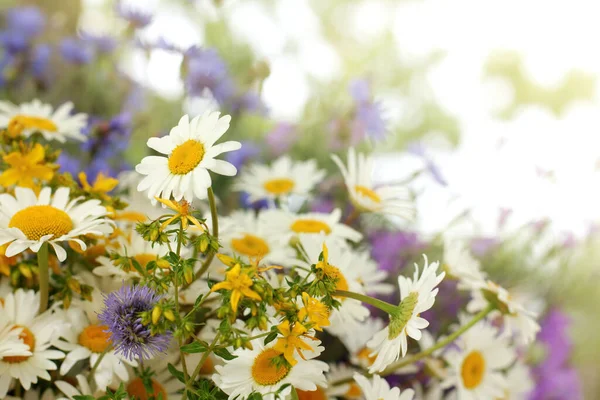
(156, 312)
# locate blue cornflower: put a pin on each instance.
(22, 25)
(76, 51)
(206, 69)
(129, 336)
(138, 18)
(40, 61)
(103, 44)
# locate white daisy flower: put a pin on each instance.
(82, 389)
(163, 383)
(340, 262)
(245, 235)
(282, 178)
(133, 246)
(38, 332)
(10, 343)
(27, 221)
(338, 373)
(460, 264)
(190, 153)
(366, 196)
(417, 295)
(288, 225)
(476, 362)
(355, 341)
(253, 371)
(519, 382)
(29, 118)
(377, 388)
(517, 319)
(84, 340)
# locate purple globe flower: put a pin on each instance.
(136, 17)
(76, 51)
(369, 119)
(121, 314)
(205, 69)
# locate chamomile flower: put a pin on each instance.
(460, 264)
(289, 225)
(29, 118)
(84, 340)
(341, 373)
(83, 388)
(256, 370)
(190, 152)
(355, 341)
(366, 196)
(377, 388)
(282, 178)
(38, 332)
(517, 319)
(476, 363)
(417, 295)
(135, 247)
(245, 235)
(28, 221)
(338, 262)
(519, 382)
(10, 343)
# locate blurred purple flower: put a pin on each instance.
(281, 138)
(392, 250)
(249, 151)
(68, 163)
(103, 44)
(257, 205)
(136, 17)
(417, 149)
(368, 120)
(249, 102)
(555, 378)
(40, 61)
(480, 246)
(322, 205)
(206, 69)
(76, 51)
(121, 314)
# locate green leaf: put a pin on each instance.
(176, 373)
(224, 354)
(255, 396)
(194, 347)
(84, 397)
(270, 337)
(294, 394)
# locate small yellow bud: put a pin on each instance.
(229, 261)
(188, 275)
(163, 264)
(154, 235)
(204, 242)
(169, 315)
(74, 285)
(156, 312)
(25, 271)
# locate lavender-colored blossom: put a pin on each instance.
(136, 17)
(257, 205)
(129, 336)
(76, 51)
(281, 138)
(555, 377)
(103, 44)
(68, 163)
(249, 151)
(368, 120)
(40, 60)
(482, 245)
(205, 69)
(417, 149)
(392, 250)
(28, 21)
(249, 102)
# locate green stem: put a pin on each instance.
(177, 315)
(259, 336)
(43, 276)
(382, 305)
(443, 343)
(215, 232)
(201, 363)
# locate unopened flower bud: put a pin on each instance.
(156, 312)
(169, 315)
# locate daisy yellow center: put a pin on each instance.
(365, 354)
(353, 391)
(38, 221)
(473, 369)
(334, 272)
(250, 245)
(137, 390)
(27, 337)
(310, 226)
(318, 394)
(19, 123)
(186, 157)
(95, 338)
(366, 192)
(265, 372)
(279, 186)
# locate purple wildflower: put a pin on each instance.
(249, 151)
(136, 17)
(76, 51)
(392, 250)
(417, 149)
(250, 102)
(40, 60)
(205, 69)
(368, 120)
(22, 25)
(281, 138)
(121, 314)
(104, 44)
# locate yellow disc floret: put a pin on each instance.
(186, 157)
(250, 245)
(19, 123)
(279, 186)
(265, 372)
(369, 193)
(38, 221)
(473, 369)
(310, 226)
(95, 337)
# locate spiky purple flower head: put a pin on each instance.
(121, 314)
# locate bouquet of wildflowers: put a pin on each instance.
(199, 272)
